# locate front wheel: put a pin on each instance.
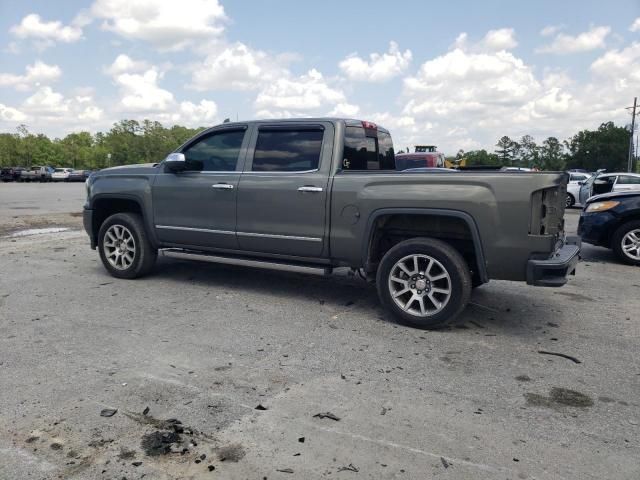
(424, 282)
(626, 242)
(124, 247)
(570, 201)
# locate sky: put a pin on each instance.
(455, 74)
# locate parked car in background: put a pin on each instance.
(516, 169)
(609, 182)
(425, 156)
(36, 174)
(573, 187)
(61, 174)
(79, 175)
(612, 220)
(10, 174)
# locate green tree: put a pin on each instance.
(551, 155)
(606, 148)
(481, 157)
(529, 152)
(505, 150)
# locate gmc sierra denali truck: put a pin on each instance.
(324, 193)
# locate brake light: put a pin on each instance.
(369, 126)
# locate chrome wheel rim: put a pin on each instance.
(569, 201)
(119, 247)
(420, 285)
(631, 244)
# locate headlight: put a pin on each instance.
(601, 206)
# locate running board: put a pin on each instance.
(245, 262)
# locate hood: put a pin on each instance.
(607, 196)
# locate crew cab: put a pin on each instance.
(323, 193)
(36, 174)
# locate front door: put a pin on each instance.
(282, 197)
(198, 206)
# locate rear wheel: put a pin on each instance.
(124, 247)
(626, 242)
(424, 282)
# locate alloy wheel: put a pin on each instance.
(119, 247)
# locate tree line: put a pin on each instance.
(607, 147)
(127, 142)
(130, 141)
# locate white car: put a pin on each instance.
(573, 188)
(609, 182)
(61, 174)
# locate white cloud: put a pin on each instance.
(502, 39)
(635, 26)
(191, 114)
(305, 93)
(550, 30)
(563, 44)
(235, 67)
(141, 93)
(11, 115)
(379, 67)
(125, 64)
(167, 25)
(34, 75)
(46, 104)
(46, 34)
(344, 110)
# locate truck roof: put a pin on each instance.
(349, 122)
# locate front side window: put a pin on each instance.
(217, 152)
(367, 152)
(295, 150)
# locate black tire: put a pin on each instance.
(570, 201)
(618, 238)
(450, 262)
(144, 256)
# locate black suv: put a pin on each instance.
(10, 174)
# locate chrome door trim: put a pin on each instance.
(281, 237)
(310, 188)
(222, 186)
(189, 229)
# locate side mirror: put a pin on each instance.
(581, 182)
(175, 162)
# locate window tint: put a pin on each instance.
(362, 152)
(287, 150)
(216, 153)
(628, 179)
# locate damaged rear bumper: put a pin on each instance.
(553, 271)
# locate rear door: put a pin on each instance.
(282, 197)
(198, 206)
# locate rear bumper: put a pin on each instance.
(87, 221)
(595, 228)
(553, 271)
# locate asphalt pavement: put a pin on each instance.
(280, 375)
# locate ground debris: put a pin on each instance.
(349, 468)
(159, 443)
(523, 378)
(559, 397)
(563, 355)
(327, 415)
(445, 464)
(108, 412)
(261, 407)
(231, 453)
(146, 410)
(285, 470)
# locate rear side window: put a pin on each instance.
(287, 150)
(367, 150)
(628, 179)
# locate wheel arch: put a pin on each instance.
(105, 205)
(380, 217)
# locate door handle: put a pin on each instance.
(309, 188)
(222, 186)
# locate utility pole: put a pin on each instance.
(633, 126)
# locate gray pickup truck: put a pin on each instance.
(323, 193)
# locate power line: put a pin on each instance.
(633, 126)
